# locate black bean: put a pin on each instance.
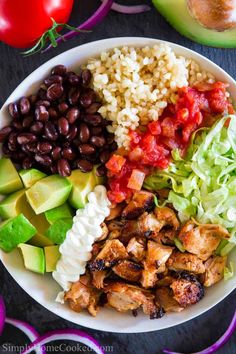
(86, 77)
(41, 114)
(27, 121)
(5, 149)
(74, 95)
(72, 115)
(33, 99)
(27, 162)
(44, 147)
(96, 130)
(104, 156)
(110, 138)
(12, 138)
(37, 128)
(62, 107)
(63, 167)
(86, 149)
(4, 132)
(50, 131)
(101, 171)
(25, 138)
(24, 105)
(42, 94)
(52, 113)
(53, 79)
(31, 147)
(72, 133)
(59, 70)
(73, 79)
(84, 165)
(68, 154)
(44, 160)
(56, 153)
(113, 146)
(54, 92)
(44, 103)
(12, 147)
(54, 169)
(87, 98)
(84, 133)
(93, 108)
(13, 110)
(17, 124)
(18, 156)
(97, 141)
(93, 119)
(63, 126)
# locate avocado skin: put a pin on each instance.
(15, 231)
(177, 14)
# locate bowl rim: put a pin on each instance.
(110, 43)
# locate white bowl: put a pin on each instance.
(43, 288)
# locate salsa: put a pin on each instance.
(151, 146)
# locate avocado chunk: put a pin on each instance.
(34, 259)
(15, 204)
(52, 256)
(41, 224)
(9, 179)
(57, 231)
(31, 176)
(178, 15)
(15, 231)
(61, 212)
(48, 193)
(83, 184)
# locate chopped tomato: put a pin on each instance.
(136, 180)
(115, 163)
(155, 128)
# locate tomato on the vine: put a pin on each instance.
(23, 22)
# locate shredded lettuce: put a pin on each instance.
(229, 271)
(203, 184)
(179, 245)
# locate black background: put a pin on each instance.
(187, 338)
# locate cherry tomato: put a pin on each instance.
(22, 22)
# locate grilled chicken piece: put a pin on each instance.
(187, 290)
(141, 201)
(128, 270)
(202, 240)
(124, 297)
(136, 248)
(82, 295)
(157, 255)
(166, 218)
(165, 236)
(115, 211)
(185, 261)
(115, 225)
(164, 297)
(98, 278)
(214, 270)
(112, 251)
(105, 232)
(164, 282)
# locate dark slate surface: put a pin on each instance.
(187, 338)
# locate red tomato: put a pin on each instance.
(22, 22)
(115, 163)
(136, 180)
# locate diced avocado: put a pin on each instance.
(33, 257)
(52, 256)
(48, 193)
(61, 212)
(41, 224)
(57, 231)
(31, 176)
(9, 179)
(178, 15)
(15, 204)
(15, 231)
(83, 184)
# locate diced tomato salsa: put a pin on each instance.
(152, 147)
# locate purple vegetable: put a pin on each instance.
(2, 314)
(131, 9)
(96, 18)
(66, 334)
(217, 345)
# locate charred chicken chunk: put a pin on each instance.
(112, 251)
(98, 278)
(136, 248)
(185, 261)
(166, 218)
(214, 270)
(141, 201)
(202, 240)
(187, 290)
(105, 232)
(128, 270)
(82, 295)
(115, 212)
(164, 297)
(124, 297)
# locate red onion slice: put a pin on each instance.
(66, 334)
(131, 9)
(217, 345)
(2, 314)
